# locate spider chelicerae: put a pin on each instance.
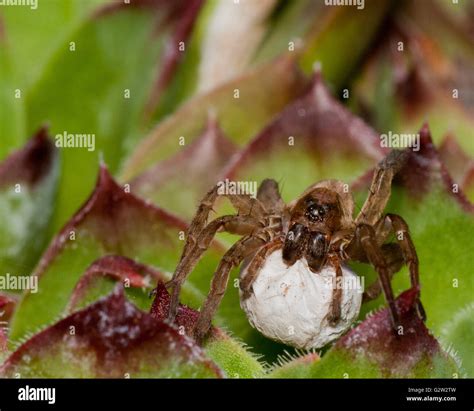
(318, 226)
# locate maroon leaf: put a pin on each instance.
(423, 171)
(186, 316)
(3, 341)
(321, 122)
(117, 219)
(110, 338)
(112, 221)
(125, 270)
(31, 163)
(28, 180)
(380, 344)
(322, 130)
(197, 167)
(7, 307)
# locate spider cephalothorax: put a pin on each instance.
(318, 228)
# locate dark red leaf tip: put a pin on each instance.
(31, 163)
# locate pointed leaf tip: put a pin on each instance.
(31, 163)
(111, 338)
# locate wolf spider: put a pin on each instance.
(318, 226)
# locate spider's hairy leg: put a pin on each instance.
(232, 258)
(394, 258)
(365, 235)
(244, 204)
(380, 188)
(402, 234)
(231, 223)
(256, 264)
(200, 219)
(200, 234)
(336, 302)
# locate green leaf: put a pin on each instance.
(230, 354)
(313, 138)
(291, 367)
(292, 21)
(348, 30)
(374, 350)
(111, 222)
(102, 276)
(28, 180)
(441, 222)
(459, 337)
(95, 100)
(35, 34)
(196, 167)
(415, 77)
(12, 113)
(111, 338)
(262, 93)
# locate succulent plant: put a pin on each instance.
(135, 109)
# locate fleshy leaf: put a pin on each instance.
(111, 338)
(459, 336)
(12, 120)
(242, 106)
(28, 180)
(441, 222)
(34, 36)
(7, 306)
(374, 350)
(413, 76)
(196, 167)
(319, 125)
(344, 29)
(112, 221)
(229, 354)
(102, 276)
(116, 90)
(294, 367)
(313, 138)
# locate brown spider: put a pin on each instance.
(318, 226)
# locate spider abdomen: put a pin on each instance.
(292, 304)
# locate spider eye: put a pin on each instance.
(315, 212)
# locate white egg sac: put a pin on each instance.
(292, 304)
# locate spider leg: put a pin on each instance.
(200, 234)
(336, 302)
(380, 188)
(394, 258)
(367, 238)
(256, 264)
(232, 258)
(402, 234)
(244, 204)
(200, 219)
(231, 224)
